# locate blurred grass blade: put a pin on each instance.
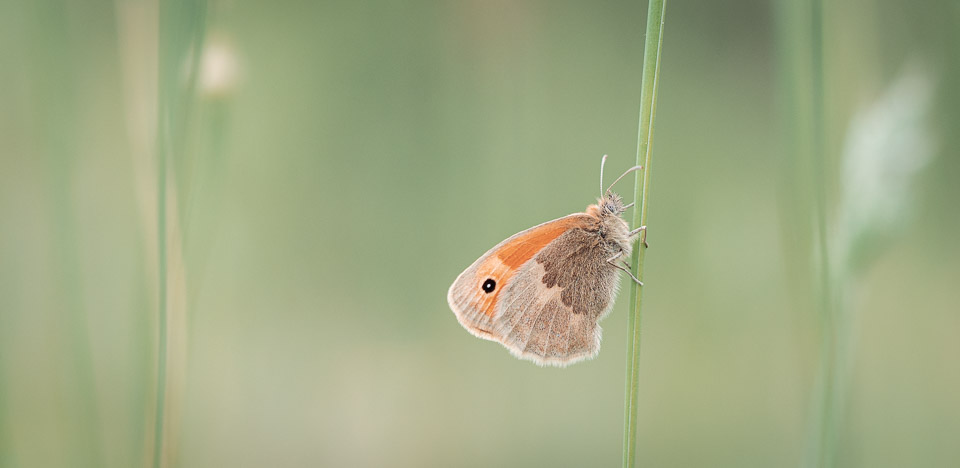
(803, 196)
(824, 445)
(181, 33)
(648, 107)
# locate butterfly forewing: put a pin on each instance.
(540, 292)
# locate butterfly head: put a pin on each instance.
(611, 204)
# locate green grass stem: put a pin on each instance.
(653, 46)
(825, 454)
(804, 204)
(162, 303)
(182, 28)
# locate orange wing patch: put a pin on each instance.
(503, 264)
(525, 246)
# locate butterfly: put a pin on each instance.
(541, 292)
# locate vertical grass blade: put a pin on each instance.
(181, 31)
(801, 189)
(162, 302)
(653, 46)
(801, 35)
(824, 448)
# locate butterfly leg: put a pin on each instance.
(612, 263)
(642, 230)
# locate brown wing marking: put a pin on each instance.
(549, 312)
(576, 263)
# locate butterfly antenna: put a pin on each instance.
(632, 169)
(603, 161)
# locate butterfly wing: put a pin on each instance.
(475, 306)
(540, 292)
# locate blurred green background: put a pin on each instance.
(341, 162)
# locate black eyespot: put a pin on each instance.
(489, 285)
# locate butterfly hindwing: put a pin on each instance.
(549, 311)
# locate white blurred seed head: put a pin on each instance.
(219, 70)
(887, 145)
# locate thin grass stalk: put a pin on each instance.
(803, 196)
(795, 190)
(182, 28)
(162, 302)
(653, 46)
(827, 369)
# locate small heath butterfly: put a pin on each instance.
(541, 292)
